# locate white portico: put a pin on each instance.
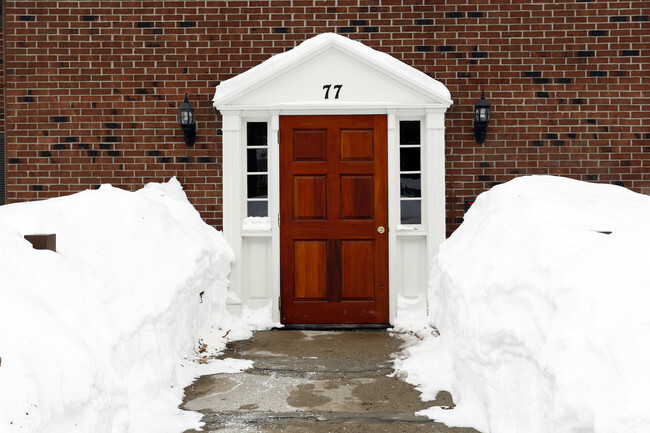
(331, 75)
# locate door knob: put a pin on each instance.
(381, 230)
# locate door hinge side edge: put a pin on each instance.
(279, 219)
(280, 303)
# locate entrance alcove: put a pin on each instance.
(333, 182)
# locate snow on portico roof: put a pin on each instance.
(229, 90)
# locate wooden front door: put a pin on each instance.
(334, 219)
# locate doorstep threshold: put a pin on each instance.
(335, 326)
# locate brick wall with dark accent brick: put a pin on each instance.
(3, 161)
(93, 87)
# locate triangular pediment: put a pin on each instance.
(330, 70)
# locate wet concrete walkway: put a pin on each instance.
(313, 381)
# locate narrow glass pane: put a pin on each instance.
(258, 209)
(257, 186)
(410, 185)
(409, 132)
(256, 160)
(409, 159)
(411, 211)
(256, 134)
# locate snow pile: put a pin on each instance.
(99, 336)
(541, 298)
(411, 315)
(256, 223)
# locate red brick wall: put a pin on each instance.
(2, 114)
(93, 86)
(569, 84)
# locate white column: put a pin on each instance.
(435, 171)
(232, 190)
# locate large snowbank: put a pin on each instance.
(543, 315)
(99, 336)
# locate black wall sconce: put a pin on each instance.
(482, 116)
(187, 121)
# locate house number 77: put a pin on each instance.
(336, 87)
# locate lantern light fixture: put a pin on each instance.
(482, 117)
(187, 121)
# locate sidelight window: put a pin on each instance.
(410, 172)
(257, 170)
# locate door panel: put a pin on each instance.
(333, 198)
(357, 260)
(309, 197)
(357, 201)
(356, 145)
(310, 261)
(309, 145)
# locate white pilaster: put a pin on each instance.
(232, 190)
(435, 172)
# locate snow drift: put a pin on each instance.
(541, 298)
(96, 337)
